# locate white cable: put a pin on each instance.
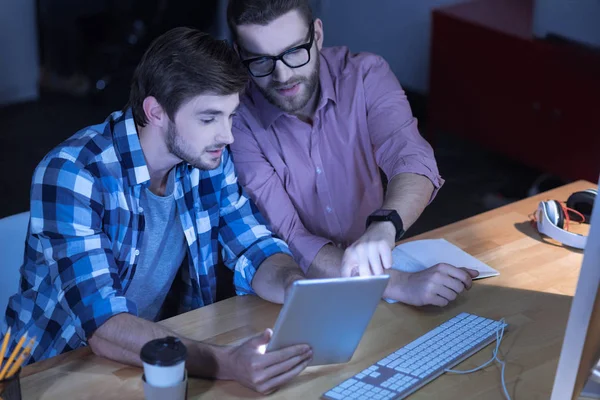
(499, 336)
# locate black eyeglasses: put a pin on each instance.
(295, 57)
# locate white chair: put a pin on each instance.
(13, 230)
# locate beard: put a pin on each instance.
(295, 103)
(177, 147)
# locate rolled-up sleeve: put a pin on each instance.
(399, 147)
(259, 178)
(66, 216)
(243, 233)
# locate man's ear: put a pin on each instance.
(155, 113)
(319, 33)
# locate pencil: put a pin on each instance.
(12, 356)
(21, 359)
(4, 346)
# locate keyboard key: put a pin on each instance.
(348, 383)
(431, 364)
(404, 370)
(335, 395)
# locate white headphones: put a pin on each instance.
(551, 215)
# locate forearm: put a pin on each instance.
(327, 263)
(408, 194)
(122, 337)
(274, 276)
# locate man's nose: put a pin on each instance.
(282, 72)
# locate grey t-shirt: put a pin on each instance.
(162, 251)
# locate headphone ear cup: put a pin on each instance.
(583, 202)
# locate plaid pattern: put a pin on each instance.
(86, 225)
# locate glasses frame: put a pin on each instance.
(280, 57)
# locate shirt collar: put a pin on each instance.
(268, 113)
(128, 146)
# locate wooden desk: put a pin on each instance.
(533, 292)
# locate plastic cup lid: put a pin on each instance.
(164, 352)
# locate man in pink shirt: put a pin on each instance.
(310, 136)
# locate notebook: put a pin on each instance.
(418, 255)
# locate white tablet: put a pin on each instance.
(330, 315)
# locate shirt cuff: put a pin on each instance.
(101, 311)
(305, 249)
(248, 263)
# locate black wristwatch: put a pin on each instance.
(388, 215)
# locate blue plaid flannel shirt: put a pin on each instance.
(87, 224)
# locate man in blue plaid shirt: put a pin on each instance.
(138, 210)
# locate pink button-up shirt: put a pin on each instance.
(317, 184)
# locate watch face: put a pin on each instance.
(381, 213)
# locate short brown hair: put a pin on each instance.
(181, 64)
(263, 12)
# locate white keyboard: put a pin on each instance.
(421, 361)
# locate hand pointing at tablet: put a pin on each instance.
(371, 254)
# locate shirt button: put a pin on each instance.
(328, 209)
(137, 252)
(319, 170)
